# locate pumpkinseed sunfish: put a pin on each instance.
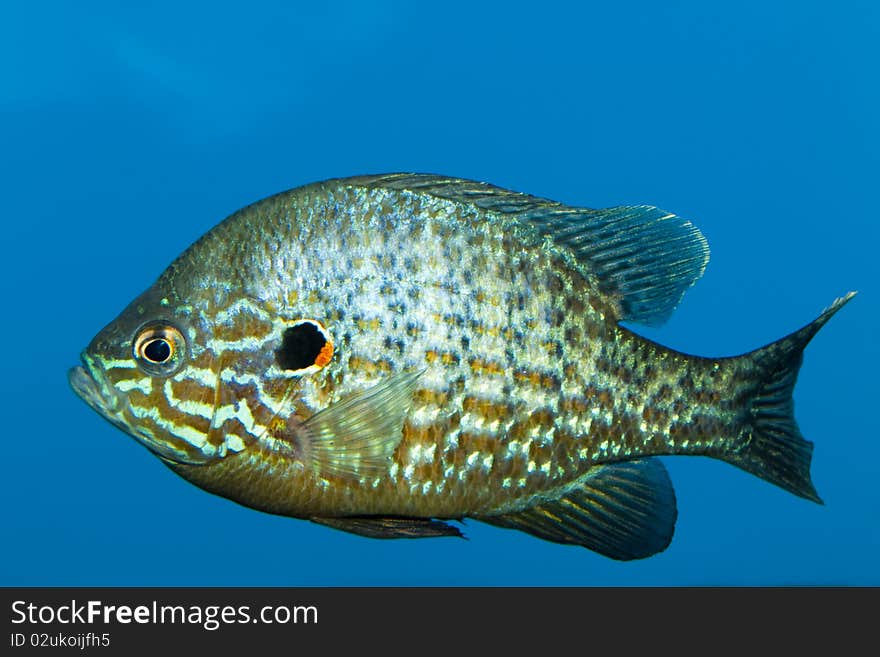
(384, 354)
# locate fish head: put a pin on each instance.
(130, 371)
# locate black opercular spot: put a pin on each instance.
(300, 347)
(157, 351)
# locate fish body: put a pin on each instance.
(383, 353)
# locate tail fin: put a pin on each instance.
(776, 450)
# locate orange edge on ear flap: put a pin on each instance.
(325, 354)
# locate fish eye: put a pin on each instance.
(305, 347)
(158, 349)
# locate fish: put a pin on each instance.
(391, 355)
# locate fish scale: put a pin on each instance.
(478, 365)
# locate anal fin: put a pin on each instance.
(624, 511)
(392, 527)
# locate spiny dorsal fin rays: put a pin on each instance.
(644, 256)
(356, 437)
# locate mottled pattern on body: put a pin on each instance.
(528, 379)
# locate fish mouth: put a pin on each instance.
(90, 386)
(84, 386)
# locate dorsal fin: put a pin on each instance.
(622, 510)
(644, 256)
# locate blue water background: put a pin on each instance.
(126, 133)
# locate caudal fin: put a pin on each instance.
(774, 448)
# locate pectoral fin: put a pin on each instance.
(624, 511)
(355, 437)
(377, 527)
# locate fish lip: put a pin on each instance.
(84, 386)
(89, 386)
